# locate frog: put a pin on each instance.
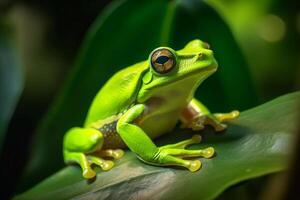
(146, 100)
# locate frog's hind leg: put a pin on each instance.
(140, 143)
(79, 144)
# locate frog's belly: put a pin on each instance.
(159, 124)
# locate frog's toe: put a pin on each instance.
(197, 127)
(208, 152)
(181, 145)
(88, 173)
(219, 126)
(235, 114)
(118, 153)
(194, 165)
(196, 139)
(107, 165)
(227, 116)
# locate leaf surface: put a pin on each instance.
(255, 144)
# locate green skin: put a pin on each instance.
(138, 104)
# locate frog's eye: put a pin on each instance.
(162, 60)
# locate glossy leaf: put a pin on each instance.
(125, 33)
(255, 144)
(11, 82)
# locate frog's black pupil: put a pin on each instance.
(162, 59)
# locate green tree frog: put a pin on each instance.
(142, 102)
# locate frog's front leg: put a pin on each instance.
(81, 146)
(139, 142)
(196, 116)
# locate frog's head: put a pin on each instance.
(194, 62)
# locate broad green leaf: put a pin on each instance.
(11, 82)
(125, 33)
(255, 144)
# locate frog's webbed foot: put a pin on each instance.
(113, 153)
(173, 154)
(97, 158)
(82, 160)
(214, 120)
(104, 164)
(140, 143)
(87, 160)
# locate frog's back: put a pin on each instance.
(117, 95)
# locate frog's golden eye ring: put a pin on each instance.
(162, 60)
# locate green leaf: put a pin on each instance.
(11, 81)
(255, 144)
(124, 34)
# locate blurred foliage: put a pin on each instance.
(254, 145)
(11, 80)
(268, 33)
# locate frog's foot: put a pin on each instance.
(85, 162)
(173, 154)
(114, 153)
(81, 159)
(214, 120)
(199, 122)
(104, 164)
(97, 158)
